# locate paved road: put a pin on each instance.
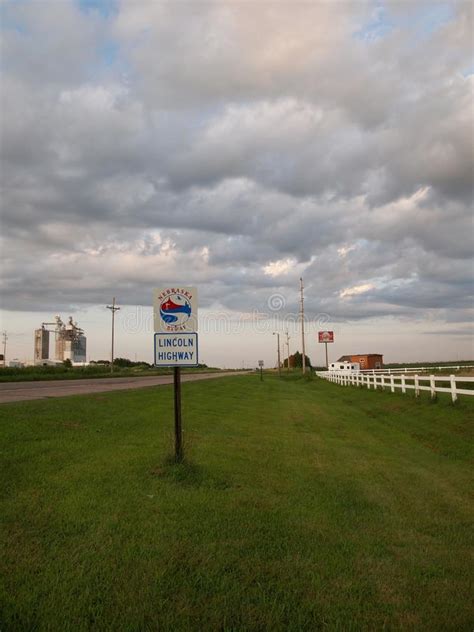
(22, 391)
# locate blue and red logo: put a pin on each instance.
(175, 309)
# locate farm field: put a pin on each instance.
(302, 506)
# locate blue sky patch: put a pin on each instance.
(105, 8)
(423, 21)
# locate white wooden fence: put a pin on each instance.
(432, 383)
(421, 369)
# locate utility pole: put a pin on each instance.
(5, 338)
(275, 333)
(302, 324)
(113, 309)
(288, 347)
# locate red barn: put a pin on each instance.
(366, 360)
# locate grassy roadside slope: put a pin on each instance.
(303, 506)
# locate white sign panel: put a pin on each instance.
(180, 349)
(175, 309)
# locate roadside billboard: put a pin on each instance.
(325, 336)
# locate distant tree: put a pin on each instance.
(296, 361)
(123, 362)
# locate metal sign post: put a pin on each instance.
(176, 343)
(178, 429)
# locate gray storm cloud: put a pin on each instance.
(239, 146)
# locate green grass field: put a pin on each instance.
(302, 506)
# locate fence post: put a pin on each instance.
(432, 387)
(382, 382)
(454, 395)
(368, 381)
(404, 390)
(392, 384)
(417, 389)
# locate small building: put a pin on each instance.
(365, 360)
(347, 367)
(16, 364)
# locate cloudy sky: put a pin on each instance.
(237, 146)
